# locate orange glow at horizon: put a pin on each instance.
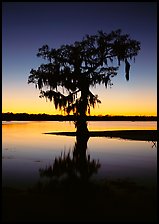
(113, 102)
(40, 106)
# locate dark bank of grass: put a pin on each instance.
(142, 135)
(75, 200)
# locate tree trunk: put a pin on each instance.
(79, 155)
(81, 125)
(81, 122)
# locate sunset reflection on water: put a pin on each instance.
(25, 149)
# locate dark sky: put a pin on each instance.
(27, 26)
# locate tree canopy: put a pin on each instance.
(71, 70)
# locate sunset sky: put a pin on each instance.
(27, 26)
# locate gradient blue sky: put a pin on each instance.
(27, 26)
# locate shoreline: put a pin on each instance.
(141, 135)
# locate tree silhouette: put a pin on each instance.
(71, 70)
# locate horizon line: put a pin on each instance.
(99, 115)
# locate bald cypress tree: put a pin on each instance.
(71, 70)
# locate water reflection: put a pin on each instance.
(78, 165)
(84, 199)
(25, 150)
(71, 194)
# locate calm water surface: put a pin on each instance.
(26, 149)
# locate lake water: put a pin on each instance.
(26, 149)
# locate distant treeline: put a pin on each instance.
(47, 117)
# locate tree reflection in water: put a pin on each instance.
(75, 166)
(70, 194)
